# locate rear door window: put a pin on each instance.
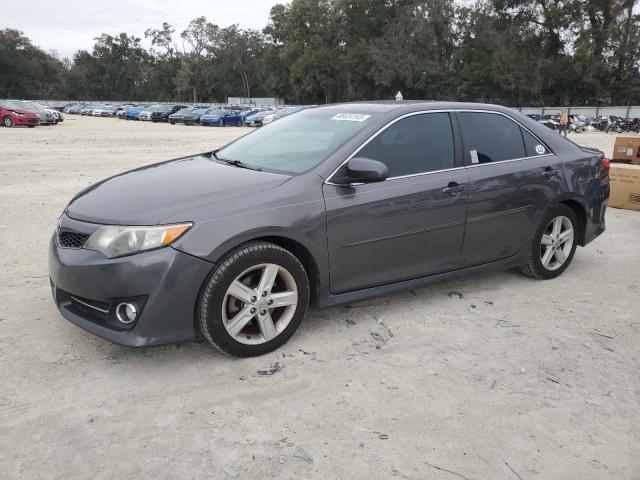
(415, 144)
(490, 137)
(532, 146)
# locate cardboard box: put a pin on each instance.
(627, 149)
(625, 186)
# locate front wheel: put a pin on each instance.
(7, 122)
(254, 300)
(553, 245)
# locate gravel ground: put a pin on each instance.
(492, 377)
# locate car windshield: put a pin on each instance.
(184, 110)
(298, 142)
(6, 104)
(215, 111)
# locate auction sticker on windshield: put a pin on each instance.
(351, 117)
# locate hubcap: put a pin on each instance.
(259, 304)
(557, 242)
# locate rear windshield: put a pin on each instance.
(297, 142)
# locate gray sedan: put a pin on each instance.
(334, 204)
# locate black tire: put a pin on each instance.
(534, 268)
(31, 126)
(7, 121)
(211, 298)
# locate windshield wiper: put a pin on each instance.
(235, 163)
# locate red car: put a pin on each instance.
(12, 115)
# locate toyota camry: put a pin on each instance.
(334, 204)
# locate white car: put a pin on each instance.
(105, 111)
(145, 115)
(55, 113)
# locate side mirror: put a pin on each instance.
(366, 170)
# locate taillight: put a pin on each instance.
(606, 164)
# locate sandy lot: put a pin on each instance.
(491, 377)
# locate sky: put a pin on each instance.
(70, 25)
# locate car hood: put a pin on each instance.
(148, 195)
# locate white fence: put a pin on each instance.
(624, 112)
(255, 101)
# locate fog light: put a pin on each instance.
(126, 312)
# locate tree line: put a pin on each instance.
(513, 52)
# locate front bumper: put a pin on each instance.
(23, 121)
(165, 282)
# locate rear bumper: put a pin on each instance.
(597, 199)
(164, 282)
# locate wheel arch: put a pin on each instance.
(579, 208)
(296, 247)
(302, 253)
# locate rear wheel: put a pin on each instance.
(7, 122)
(254, 300)
(553, 245)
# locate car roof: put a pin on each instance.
(384, 106)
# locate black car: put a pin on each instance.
(162, 112)
(177, 117)
(331, 205)
(193, 116)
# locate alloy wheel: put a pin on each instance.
(259, 304)
(8, 122)
(556, 243)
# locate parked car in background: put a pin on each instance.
(87, 110)
(255, 119)
(145, 114)
(193, 116)
(134, 112)
(13, 115)
(331, 205)
(281, 113)
(161, 114)
(122, 110)
(549, 121)
(222, 118)
(56, 114)
(179, 115)
(46, 117)
(75, 109)
(105, 111)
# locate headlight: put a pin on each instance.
(117, 241)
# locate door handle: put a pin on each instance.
(548, 173)
(454, 188)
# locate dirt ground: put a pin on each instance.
(492, 377)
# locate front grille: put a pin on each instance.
(72, 239)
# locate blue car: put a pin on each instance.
(222, 118)
(133, 113)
